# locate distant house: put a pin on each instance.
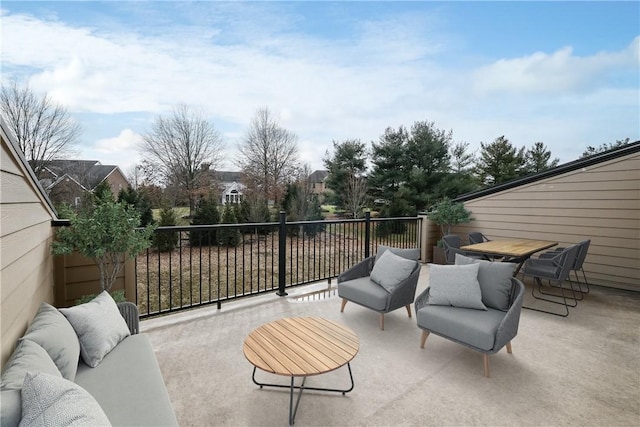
(66, 181)
(317, 180)
(230, 186)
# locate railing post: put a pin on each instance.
(282, 254)
(367, 233)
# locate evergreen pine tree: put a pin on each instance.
(229, 236)
(206, 214)
(166, 241)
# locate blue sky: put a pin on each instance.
(564, 73)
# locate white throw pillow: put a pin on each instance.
(455, 286)
(48, 400)
(390, 270)
(99, 326)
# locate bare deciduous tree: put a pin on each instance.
(43, 128)
(355, 194)
(182, 148)
(269, 155)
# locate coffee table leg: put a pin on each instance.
(293, 410)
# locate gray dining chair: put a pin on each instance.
(452, 245)
(578, 264)
(477, 237)
(555, 269)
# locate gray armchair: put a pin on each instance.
(486, 331)
(355, 285)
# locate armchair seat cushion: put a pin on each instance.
(364, 292)
(475, 328)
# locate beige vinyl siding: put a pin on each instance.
(600, 202)
(26, 270)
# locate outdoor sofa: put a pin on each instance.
(81, 364)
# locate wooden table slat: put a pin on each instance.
(287, 352)
(308, 359)
(320, 339)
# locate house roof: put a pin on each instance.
(227, 176)
(88, 173)
(624, 150)
(319, 175)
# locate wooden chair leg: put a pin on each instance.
(408, 309)
(382, 321)
(423, 339)
(485, 362)
(344, 302)
(509, 347)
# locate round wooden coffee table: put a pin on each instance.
(300, 347)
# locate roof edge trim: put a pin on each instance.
(627, 149)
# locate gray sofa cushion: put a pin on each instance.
(28, 356)
(476, 328)
(494, 279)
(390, 270)
(408, 253)
(53, 332)
(99, 326)
(455, 286)
(129, 386)
(49, 400)
(10, 408)
(363, 291)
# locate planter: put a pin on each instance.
(438, 255)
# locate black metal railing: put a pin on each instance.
(209, 264)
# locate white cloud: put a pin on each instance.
(560, 71)
(121, 150)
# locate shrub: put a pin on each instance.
(206, 214)
(229, 236)
(166, 241)
(107, 233)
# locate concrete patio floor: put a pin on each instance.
(583, 370)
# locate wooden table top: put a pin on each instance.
(510, 247)
(300, 346)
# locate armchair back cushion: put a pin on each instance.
(455, 286)
(390, 270)
(408, 253)
(494, 279)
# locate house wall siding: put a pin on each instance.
(26, 267)
(601, 203)
(117, 182)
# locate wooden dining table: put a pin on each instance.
(512, 249)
